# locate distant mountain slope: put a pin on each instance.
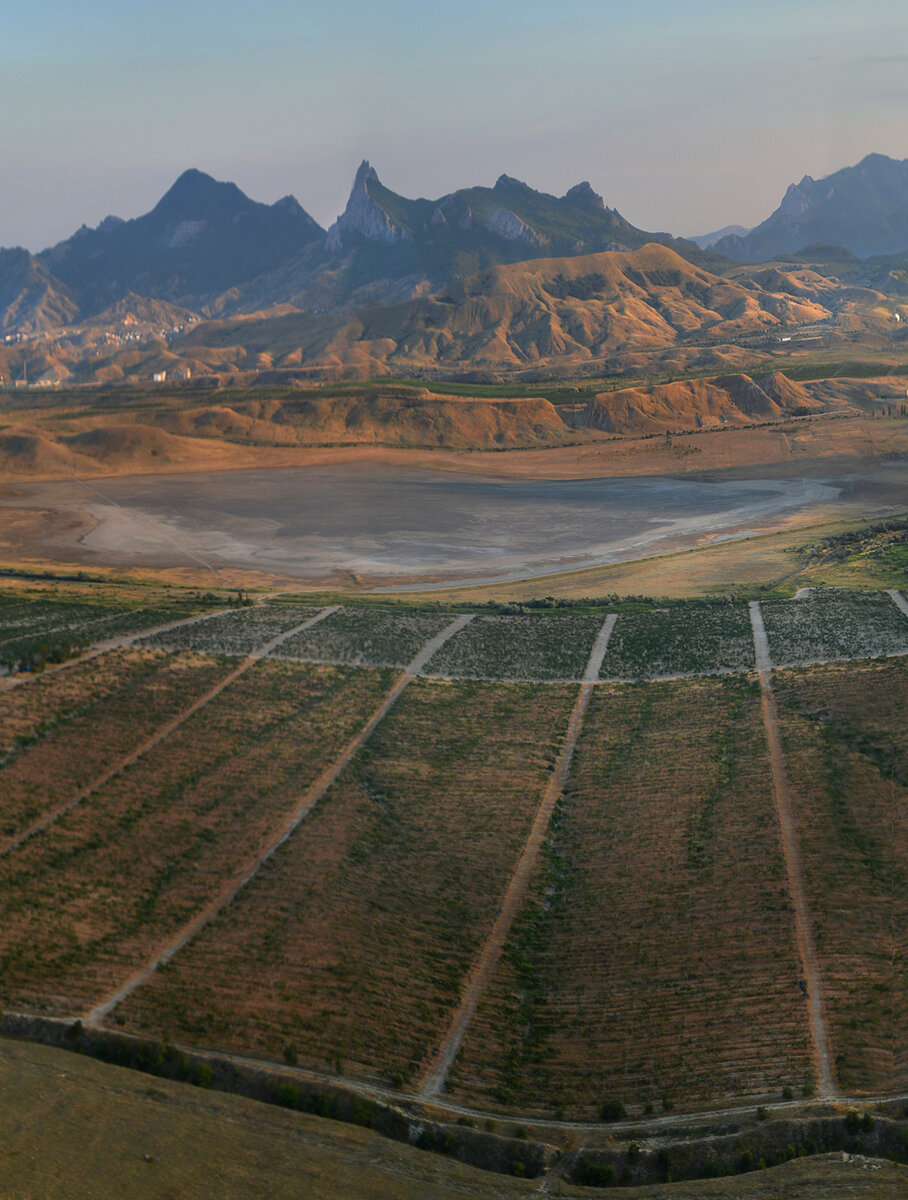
(863, 208)
(705, 240)
(202, 238)
(385, 247)
(559, 311)
(31, 299)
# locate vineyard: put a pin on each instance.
(654, 956)
(688, 640)
(239, 631)
(84, 902)
(653, 959)
(847, 755)
(351, 944)
(366, 637)
(36, 632)
(834, 624)
(538, 647)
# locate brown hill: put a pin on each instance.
(697, 404)
(791, 396)
(564, 311)
(229, 433)
(398, 417)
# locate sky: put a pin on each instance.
(684, 116)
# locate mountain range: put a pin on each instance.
(208, 247)
(223, 282)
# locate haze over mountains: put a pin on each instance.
(224, 283)
(863, 208)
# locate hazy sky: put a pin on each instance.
(684, 116)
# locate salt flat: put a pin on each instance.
(390, 526)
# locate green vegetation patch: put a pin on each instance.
(832, 623)
(846, 762)
(239, 631)
(702, 639)
(352, 942)
(85, 902)
(653, 959)
(538, 646)
(35, 632)
(366, 637)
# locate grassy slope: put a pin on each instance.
(72, 1128)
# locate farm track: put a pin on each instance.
(307, 801)
(898, 600)
(641, 1128)
(156, 738)
(819, 1035)
(484, 965)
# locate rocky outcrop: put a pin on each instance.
(582, 193)
(363, 215)
(508, 225)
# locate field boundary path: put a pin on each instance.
(305, 804)
(791, 852)
(159, 735)
(477, 979)
(898, 600)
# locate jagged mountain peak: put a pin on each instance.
(195, 194)
(510, 184)
(583, 193)
(365, 174)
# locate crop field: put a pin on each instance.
(239, 632)
(832, 623)
(654, 956)
(28, 712)
(695, 640)
(366, 636)
(89, 899)
(72, 726)
(33, 632)
(847, 758)
(349, 947)
(541, 647)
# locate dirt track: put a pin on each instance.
(307, 801)
(480, 973)
(816, 1018)
(165, 730)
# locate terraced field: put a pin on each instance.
(88, 900)
(542, 646)
(351, 943)
(696, 640)
(846, 750)
(834, 624)
(366, 637)
(655, 955)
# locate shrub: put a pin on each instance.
(612, 1110)
(202, 1075)
(288, 1095)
